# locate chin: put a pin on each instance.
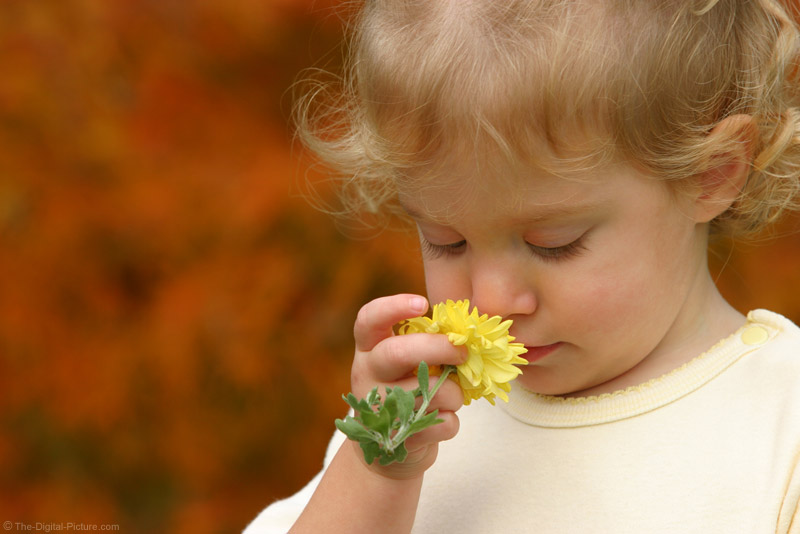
(537, 380)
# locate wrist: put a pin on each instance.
(410, 471)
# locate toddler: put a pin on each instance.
(566, 163)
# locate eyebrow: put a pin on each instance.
(554, 211)
(411, 212)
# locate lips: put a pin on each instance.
(535, 354)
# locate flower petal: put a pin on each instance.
(493, 354)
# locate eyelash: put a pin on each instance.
(563, 252)
(433, 252)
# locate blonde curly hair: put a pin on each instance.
(562, 84)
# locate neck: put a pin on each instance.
(704, 319)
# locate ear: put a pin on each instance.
(720, 186)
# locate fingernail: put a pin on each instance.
(418, 304)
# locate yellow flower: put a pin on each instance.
(492, 353)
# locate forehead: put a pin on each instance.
(531, 196)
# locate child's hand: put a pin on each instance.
(384, 359)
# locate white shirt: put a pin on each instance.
(711, 447)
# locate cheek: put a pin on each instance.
(631, 296)
(444, 283)
(598, 304)
(607, 294)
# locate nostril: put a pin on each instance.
(508, 307)
(502, 286)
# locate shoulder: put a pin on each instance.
(779, 370)
(776, 337)
(773, 366)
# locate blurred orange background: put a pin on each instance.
(175, 321)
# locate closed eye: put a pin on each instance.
(432, 251)
(562, 252)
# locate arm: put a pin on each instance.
(353, 496)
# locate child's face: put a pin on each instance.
(600, 277)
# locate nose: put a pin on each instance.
(501, 287)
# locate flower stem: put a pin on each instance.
(403, 433)
(446, 370)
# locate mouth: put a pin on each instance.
(535, 354)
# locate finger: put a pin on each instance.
(362, 386)
(413, 466)
(449, 398)
(440, 432)
(376, 318)
(399, 356)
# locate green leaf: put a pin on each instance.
(353, 429)
(423, 378)
(398, 455)
(390, 404)
(369, 419)
(359, 405)
(371, 451)
(380, 422)
(373, 397)
(381, 427)
(405, 404)
(400, 452)
(425, 421)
